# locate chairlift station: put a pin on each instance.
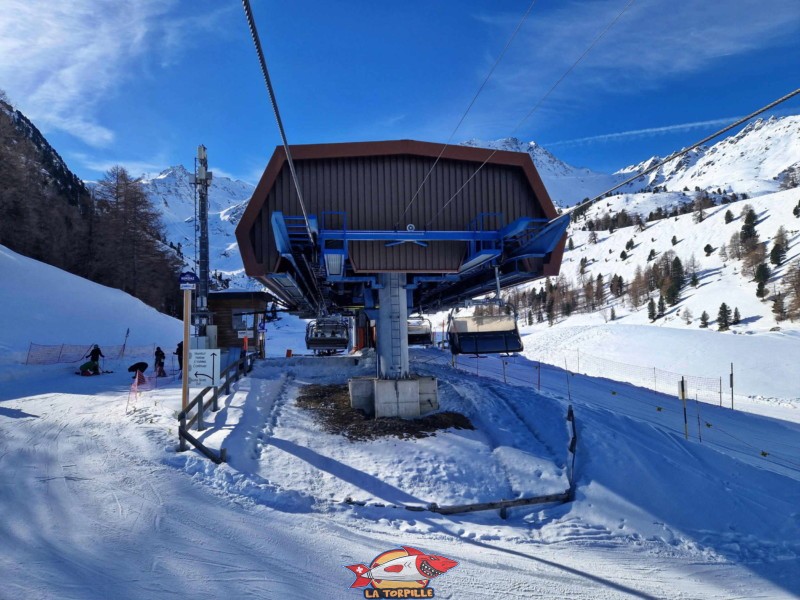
(381, 230)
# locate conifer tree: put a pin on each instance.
(779, 308)
(651, 310)
(737, 318)
(728, 216)
(776, 255)
(662, 307)
(704, 319)
(724, 317)
(762, 273)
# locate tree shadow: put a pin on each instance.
(748, 320)
(15, 413)
(360, 479)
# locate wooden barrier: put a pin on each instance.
(231, 373)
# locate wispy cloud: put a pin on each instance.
(641, 133)
(137, 168)
(651, 45)
(60, 60)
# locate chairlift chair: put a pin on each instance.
(328, 335)
(486, 334)
(420, 332)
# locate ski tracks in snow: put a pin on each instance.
(531, 465)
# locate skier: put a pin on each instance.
(138, 370)
(95, 353)
(93, 365)
(159, 362)
(179, 352)
(88, 368)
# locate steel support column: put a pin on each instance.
(392, 327)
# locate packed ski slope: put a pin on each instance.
(97, 503)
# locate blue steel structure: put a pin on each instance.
(339, 266)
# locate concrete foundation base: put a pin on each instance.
(405, 398)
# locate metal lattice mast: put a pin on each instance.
(202, 180)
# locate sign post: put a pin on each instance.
(188, 283)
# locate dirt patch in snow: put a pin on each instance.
(331, 403)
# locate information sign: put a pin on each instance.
(204, 367)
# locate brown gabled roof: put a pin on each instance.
(383, 148)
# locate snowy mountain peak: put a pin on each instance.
(567, 185)
(174, 172)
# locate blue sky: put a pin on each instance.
(142, 82)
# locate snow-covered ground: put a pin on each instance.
(720, 279)
(97, 503)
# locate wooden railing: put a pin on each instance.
(199, 405)
(503, 505)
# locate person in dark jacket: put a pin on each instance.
(95, 353)
(179, 352)
(159, 362)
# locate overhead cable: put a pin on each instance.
(536, 106)
(675, 155)
(469, 107)
(273, 100)
(319, 299)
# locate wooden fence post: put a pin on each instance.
(181, 429)
(199, 408)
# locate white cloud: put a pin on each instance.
(650, 131)
(59, 60)
(651, 45)
(137, 168)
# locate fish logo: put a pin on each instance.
(400, 573)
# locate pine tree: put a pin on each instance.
(599, 290)
(651, 310)
(613, 314)
(780, 245)
(662, 307)
(728, 216)
(704, 319)
(737, 318)
(762, 273)
(779, 308)
(708, 249)
(776, 255)
(749, 235)
(761, 289)
(724, 317)
(694, 280)
(570, 244)
(652, 254)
